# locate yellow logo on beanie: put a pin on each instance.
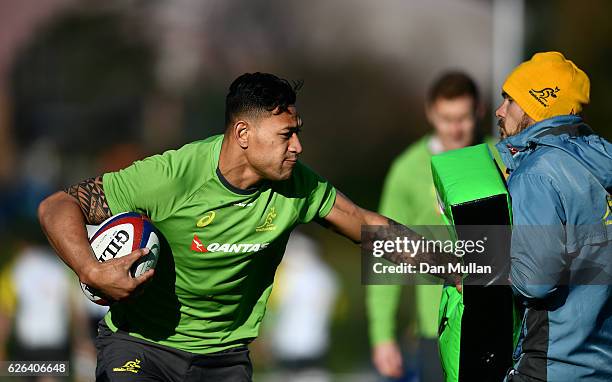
(548, 85)
(542, 95)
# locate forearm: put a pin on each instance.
(62, 220)
(373, 218)
(366, 227)
(63, 216)
(356, 217)
(391, 231)
(381, 228)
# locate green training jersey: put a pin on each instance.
(224, 244)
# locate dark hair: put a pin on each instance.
(256, 93)
(453, 85)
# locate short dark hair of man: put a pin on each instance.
(256, 93)
(451, 85)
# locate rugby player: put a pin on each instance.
(226, 206)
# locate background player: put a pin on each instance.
(453, 108)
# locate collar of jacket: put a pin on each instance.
(513, 149)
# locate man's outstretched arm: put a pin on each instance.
(63, 216)
(347, 218)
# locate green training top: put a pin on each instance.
(210, 288)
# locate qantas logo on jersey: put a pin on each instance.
(236, 248)
(198, 246)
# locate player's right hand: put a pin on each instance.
(387, 359)
(112, 278)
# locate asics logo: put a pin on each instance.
(206, 219)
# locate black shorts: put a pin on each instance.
(122, 357)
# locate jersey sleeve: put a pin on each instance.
(320, 195)
(382, 302)
(154, 186)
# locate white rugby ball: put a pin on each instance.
(119, 236)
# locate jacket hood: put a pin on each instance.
(568, 133)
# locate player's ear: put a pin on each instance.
(241, 133)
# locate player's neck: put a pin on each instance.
(235, 168)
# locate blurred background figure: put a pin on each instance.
(454, 110)
(41, 302)
(36, 302)
(42, 310)
(298, 321)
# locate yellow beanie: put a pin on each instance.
(548, 85)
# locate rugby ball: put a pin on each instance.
(119, 236)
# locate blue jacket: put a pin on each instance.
(561, 256)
